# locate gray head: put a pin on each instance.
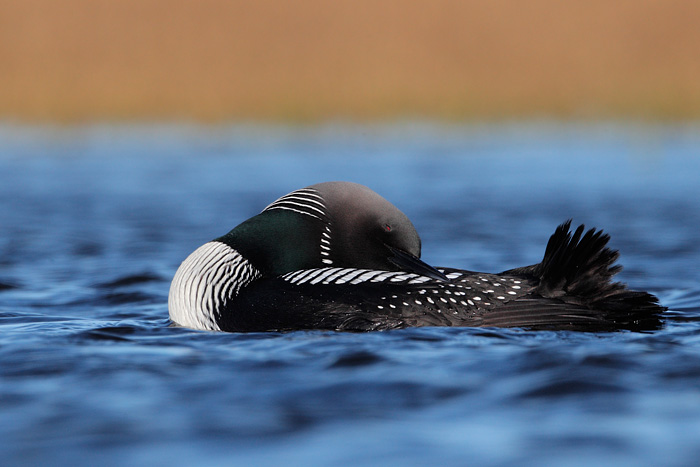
(333, 224)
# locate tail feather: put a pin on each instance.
(578, 269)
(577, 265)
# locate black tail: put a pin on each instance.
(577, 270)
(578, 266)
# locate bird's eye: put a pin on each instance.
(387, 227)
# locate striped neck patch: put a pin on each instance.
(306, 201)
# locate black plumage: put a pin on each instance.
(384, 285)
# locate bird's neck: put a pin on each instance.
(277, 242)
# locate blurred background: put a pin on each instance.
(273, 60)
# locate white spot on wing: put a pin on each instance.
(384, 276)
(365, 277)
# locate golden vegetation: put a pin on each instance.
(75, 60)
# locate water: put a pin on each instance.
(95, 220)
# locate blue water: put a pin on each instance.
(95, 220)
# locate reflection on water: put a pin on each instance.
(95, 220)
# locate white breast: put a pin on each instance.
(205, 282)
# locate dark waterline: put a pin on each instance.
(94, 221)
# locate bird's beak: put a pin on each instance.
(409, 263)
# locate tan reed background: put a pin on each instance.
(309, 60)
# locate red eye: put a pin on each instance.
(387, 227)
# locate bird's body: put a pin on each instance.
(338, 256)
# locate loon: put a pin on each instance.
(338, 256)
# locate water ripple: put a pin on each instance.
(93, 372)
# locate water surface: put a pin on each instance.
(95, 220)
